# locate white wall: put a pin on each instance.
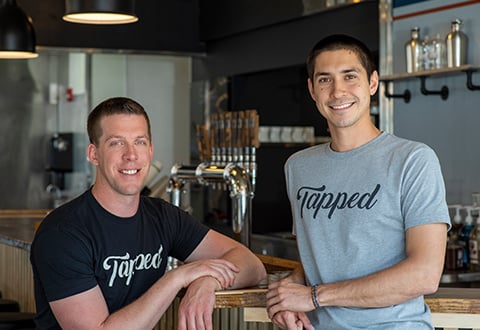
(162, 85)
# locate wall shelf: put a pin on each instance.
(423, 75)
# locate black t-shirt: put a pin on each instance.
(80, 245)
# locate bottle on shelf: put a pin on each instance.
(454, 253)
(457, 43)
(426, 63)
(474, 243)
(413, 51)
(437, 56)
(464, 237)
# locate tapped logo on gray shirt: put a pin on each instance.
(312, 198)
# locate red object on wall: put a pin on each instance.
(69, 94)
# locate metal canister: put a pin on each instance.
(457, 43)
(413, 51)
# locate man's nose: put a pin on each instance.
(130, 152)
(338, 88)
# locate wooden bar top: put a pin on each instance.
(445, 300)
(454, 300)
(17, 229)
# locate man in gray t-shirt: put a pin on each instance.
(369, 211)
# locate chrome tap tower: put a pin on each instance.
(227, 149)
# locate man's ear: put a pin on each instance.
(310, 88)
(374, 80)
(92, 154)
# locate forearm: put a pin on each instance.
(146, 311)
(252, 270)
(417, 275)
(402, 282)
(88, 309)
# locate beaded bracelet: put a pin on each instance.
(314, 296)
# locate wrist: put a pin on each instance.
(211, 282)
(314, 296)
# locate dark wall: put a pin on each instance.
(223, 18)
(237, 36)
(167, 26)
(284, 44)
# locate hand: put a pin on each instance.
(292, 321)
(221, 270)
(285, 295)
(196, 308)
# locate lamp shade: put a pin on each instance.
(17, 36)
(100, 11)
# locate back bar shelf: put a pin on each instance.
(423, 75)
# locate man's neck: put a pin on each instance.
(119, 205)
(347, 139)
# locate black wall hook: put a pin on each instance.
(406, 96)
(470, 84)
(443, 92)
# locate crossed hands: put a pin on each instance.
(287, 303)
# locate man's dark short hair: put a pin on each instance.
(338, 42)
(113, 106)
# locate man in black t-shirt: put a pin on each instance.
(100, 260)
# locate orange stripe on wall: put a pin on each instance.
(433, 10)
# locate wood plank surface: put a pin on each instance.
(454, 300)
(10, 213)
(241, 298)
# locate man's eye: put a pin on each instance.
(116, 143)
(141, 142)
(350, 76)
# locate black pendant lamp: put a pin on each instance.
(17, 36)
(100, 11)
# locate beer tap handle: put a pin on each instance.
(253, 144)
(240, 136)
(221, 137)
(234, 126)
(227, 120)
(255, 124)
(200, 143)
(246, 139)
(213, 137)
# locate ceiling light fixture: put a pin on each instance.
(17, 36)
(100, 11)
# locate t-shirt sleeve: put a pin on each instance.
(64, 268)
(424, 197)
(186, 232)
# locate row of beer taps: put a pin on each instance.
(230, 137)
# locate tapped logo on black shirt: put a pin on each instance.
(312, 198)
(125, 266)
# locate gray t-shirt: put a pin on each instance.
(351, 211)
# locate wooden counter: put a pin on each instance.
(235, 309)
(451, 308)
(17, 228)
